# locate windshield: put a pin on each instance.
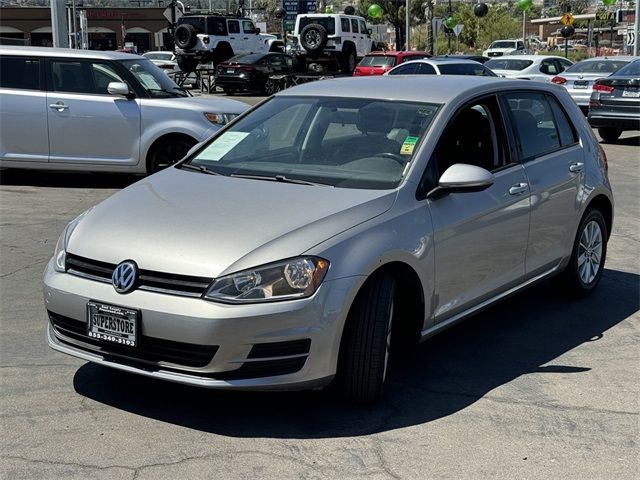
(378, 61)
(503, 44)
(508, 64)
(465, 69)
(342, 142)
(596, 66)
(631, 69)
(156, 82)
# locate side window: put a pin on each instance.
(275, 60)
(344, 22)
(425, 69)
(409, 69)
(248, 26)
(234, 26)
(71, 76)
(474, 136)
(20, 72)
(219, 26)
(354, 25)
(520, 46)
(563, 65)
(565, 127)
(548, 67)
(535, 124)
(103, 75)
(363, 26)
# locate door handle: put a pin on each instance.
(518, 188)
(60, 106)
(576, 167)
(246, 38)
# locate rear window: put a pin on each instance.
(378, 61)
(597, 66)
(327, 22)
(197, 23)
(503, 45)
(508, 64)
(246, 58)
(631, 69)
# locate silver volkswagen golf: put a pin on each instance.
(330, 222)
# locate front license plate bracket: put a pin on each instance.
(113, 324)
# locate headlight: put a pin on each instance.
(60, 254)
(286, 280)
(220, 118)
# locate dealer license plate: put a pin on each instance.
(631, 92)
(113, 324)
(580, 84)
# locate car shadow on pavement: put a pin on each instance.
(521, 336)
(41, 178)
(633, 141)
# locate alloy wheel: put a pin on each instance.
(590, 252)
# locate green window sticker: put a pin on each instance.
(408, 145)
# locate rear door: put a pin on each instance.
(86, 123)
(549, 148)
(23, 106)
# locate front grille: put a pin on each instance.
(150, 349)
(170, 283)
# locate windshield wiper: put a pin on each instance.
(278, 178)
(173, 91)
(197, 168)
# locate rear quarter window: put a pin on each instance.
(20, 72)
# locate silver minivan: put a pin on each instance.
(333, 220)
(64, 109)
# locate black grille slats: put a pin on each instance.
(160, 282)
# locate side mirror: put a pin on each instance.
(257, 30)
(369, 31)
(462, 178)
(118, 88)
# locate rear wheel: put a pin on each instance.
(167, 152)
(229, 91)
(366, 342)
(187, 63)
(348, 61)
(609, 134)
(270, 86)
(588, 256)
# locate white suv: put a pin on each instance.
(64, 109)
(336, 38)
(216, 38)
(505, 47)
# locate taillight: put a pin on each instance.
(559, 80)
(247, 68)
(603, 159)
(598, 87)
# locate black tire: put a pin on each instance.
(348, 61)
(185, 36)
(222, 53)
(313, 37)
(574, 279)
(229, 91)
(187, 63)
(609, 134)
(365, 344)
(270, 87)
(167, 152)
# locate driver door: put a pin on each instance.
(86, 123)
(480, 236)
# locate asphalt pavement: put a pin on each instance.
(539, 386)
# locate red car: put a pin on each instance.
(377, 63)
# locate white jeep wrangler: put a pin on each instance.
(216, 38)
(336, 38)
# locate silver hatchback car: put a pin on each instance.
(331, 221)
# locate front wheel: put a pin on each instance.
(270, 87)
(364, 354)
(348, 63)
(588, 256)
(167, 152)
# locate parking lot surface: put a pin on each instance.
(539, 386)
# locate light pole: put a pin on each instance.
(406, 25)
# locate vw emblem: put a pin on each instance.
(124, 276)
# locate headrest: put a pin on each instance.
(376, 118)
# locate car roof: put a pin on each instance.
(528, 57)
(443, 61)
(394, 53)
(67, 52)
(412, 88)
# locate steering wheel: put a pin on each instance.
(392, 156)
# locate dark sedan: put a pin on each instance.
(615, 102)
(252, 71)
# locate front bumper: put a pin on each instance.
(250, 345)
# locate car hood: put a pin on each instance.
(200, 104)
(190, 223)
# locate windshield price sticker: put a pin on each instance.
(408, 145)
(222, 145)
